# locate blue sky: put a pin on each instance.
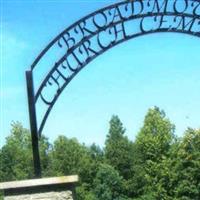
(159, 69)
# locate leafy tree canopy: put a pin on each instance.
(157, 165)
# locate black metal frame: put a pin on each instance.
(78, 37)
(33, 124)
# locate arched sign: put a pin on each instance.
(94, 34)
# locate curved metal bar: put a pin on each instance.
(92, 35)
(72, 26)
(92, 58)
(46, 49)
(79, 34)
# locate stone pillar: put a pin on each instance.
(57, 188)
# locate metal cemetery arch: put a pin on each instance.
(94, 34)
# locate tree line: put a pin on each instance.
(156, 166)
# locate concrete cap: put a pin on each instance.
(39, 182)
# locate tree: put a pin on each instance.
(188, 167)
(16, 155)
(152, 149)
(83, 193)
(156, 136)
(118, 149)
(108, 184)
(66, 156)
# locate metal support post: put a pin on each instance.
(33, 124)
